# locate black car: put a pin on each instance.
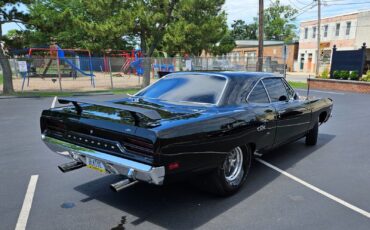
(203, 124)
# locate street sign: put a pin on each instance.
(188, 65)
(22, 66)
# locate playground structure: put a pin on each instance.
(71, 65)
(123, 62)
(67, 63)
(132, 63)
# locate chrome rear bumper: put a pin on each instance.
(113, 164)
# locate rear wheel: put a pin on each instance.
(311, 137)
(232, 173)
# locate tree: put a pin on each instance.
(198, 26)
(243, 31)
(226, 45)
(94, 25)
(148, 21)
(9, 12)
(279, 22)
(175, 25)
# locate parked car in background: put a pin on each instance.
(191, 123)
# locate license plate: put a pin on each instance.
(95, 165)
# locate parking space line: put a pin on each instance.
(316, 189)
(27, 203)
(53, 103)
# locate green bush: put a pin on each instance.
(336, 74)
(343, 74)
(366, 77)
(325, 74)
(353, 75)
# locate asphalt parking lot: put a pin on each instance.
(339, 165)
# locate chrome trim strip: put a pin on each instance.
(115, 165)
(268, 95)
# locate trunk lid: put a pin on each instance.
(113, 130)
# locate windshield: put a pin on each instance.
(188, 88)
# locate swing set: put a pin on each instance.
(66, 63)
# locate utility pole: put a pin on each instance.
(260, 37)
(318, 38)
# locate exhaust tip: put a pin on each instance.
(120, 185)
(71, 166)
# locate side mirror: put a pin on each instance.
(283, 98)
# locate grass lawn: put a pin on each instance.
(68, 94)
(1, 79)
(298, 85)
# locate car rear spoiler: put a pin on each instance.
(152, 114)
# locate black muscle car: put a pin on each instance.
(203, 124)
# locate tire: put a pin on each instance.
(226, 179)
(311, 137)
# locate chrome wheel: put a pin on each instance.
(233, 164)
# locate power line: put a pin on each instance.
(344, 4)
(303, 3)
(311, 5)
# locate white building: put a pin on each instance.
(347, 31)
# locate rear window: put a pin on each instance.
(187, 88)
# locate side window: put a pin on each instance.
(276, 88)
(258, 94)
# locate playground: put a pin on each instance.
(53, 68)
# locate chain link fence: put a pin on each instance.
(102, 73)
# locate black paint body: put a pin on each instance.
(196, 136)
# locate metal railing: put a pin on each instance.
(98, 73)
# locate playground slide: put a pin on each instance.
(137, 65)
(62, 57)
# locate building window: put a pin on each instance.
(348, 28)
(326, 31)
(305, 33)
(314, 32)
(337, 29)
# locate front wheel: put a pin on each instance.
(312, 135)
(232, 173)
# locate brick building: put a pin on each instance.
(272, 51)
(346, 31)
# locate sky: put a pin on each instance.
(247, 9)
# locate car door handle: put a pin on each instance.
(227, 128)
(280, 113)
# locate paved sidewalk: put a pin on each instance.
(299, 77)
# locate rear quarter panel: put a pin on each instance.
(204, 142)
